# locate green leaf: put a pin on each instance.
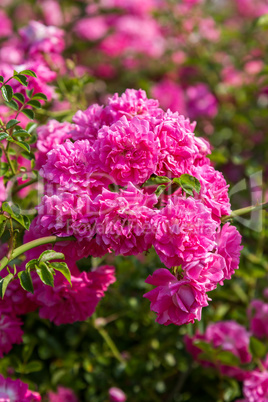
(39, 95)
(188, 183)
(22, 80)
(31, 264)
(256, 347)
(263, 21)
(34, 103)
(45, 273)
(12, 123)
(63, 268)
(26, 281)
(4, 166)
(1, 79)
(32, 367)
(29, 113)
(157, 180)
(227, 358)
(160, 189)
(19, 97)
(29, 92)
(51, 255)
(28, 72)
(27, 222)
(21, 133)
(3, 136)
(7, 92)
(12, 104)
(23, 145)
(4, 284)
(31, 127)
(3, 224)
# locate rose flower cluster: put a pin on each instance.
(101, 178)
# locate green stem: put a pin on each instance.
(9, 160)
(28, 183)
(32, 244)
(110, 343)
(243, 211)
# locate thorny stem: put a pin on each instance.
(32, 244)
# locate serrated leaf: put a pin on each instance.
(19, 97)
(63, 268)
(34, 103)
(4, 284)
(160, 189)
(29, 113)
(45, 273)
(49, 255)
(188, 183)
(26, 281)
(3, 136)
(13, 105)
(22, 80)
(12, 123)
(31, 264)
(28, 72)
(39, 95)
(7, 92)
(23, 145)
(257, 348)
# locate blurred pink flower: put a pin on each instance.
(16, 391)
(117, 395)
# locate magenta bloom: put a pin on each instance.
(87, 123)
(184, 231)
(132, 103)
(70, 166)
(175, 301)
(68, 214)
(258, 315)
(252, 10)
(214, 190)
(16, 391)
(229, 247)
(92, 29)
(228, 336)
(49, 136)
(10, 332)
(177, 145)
(201, 102)
(231, 336)
(255, 387)
(3, 191)
(127, 151)
(208, 271)
(170, 96)
(117, 395)
(37, 38)
(124, 220)
(66, 304)
(62, 395)
(6, 25)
